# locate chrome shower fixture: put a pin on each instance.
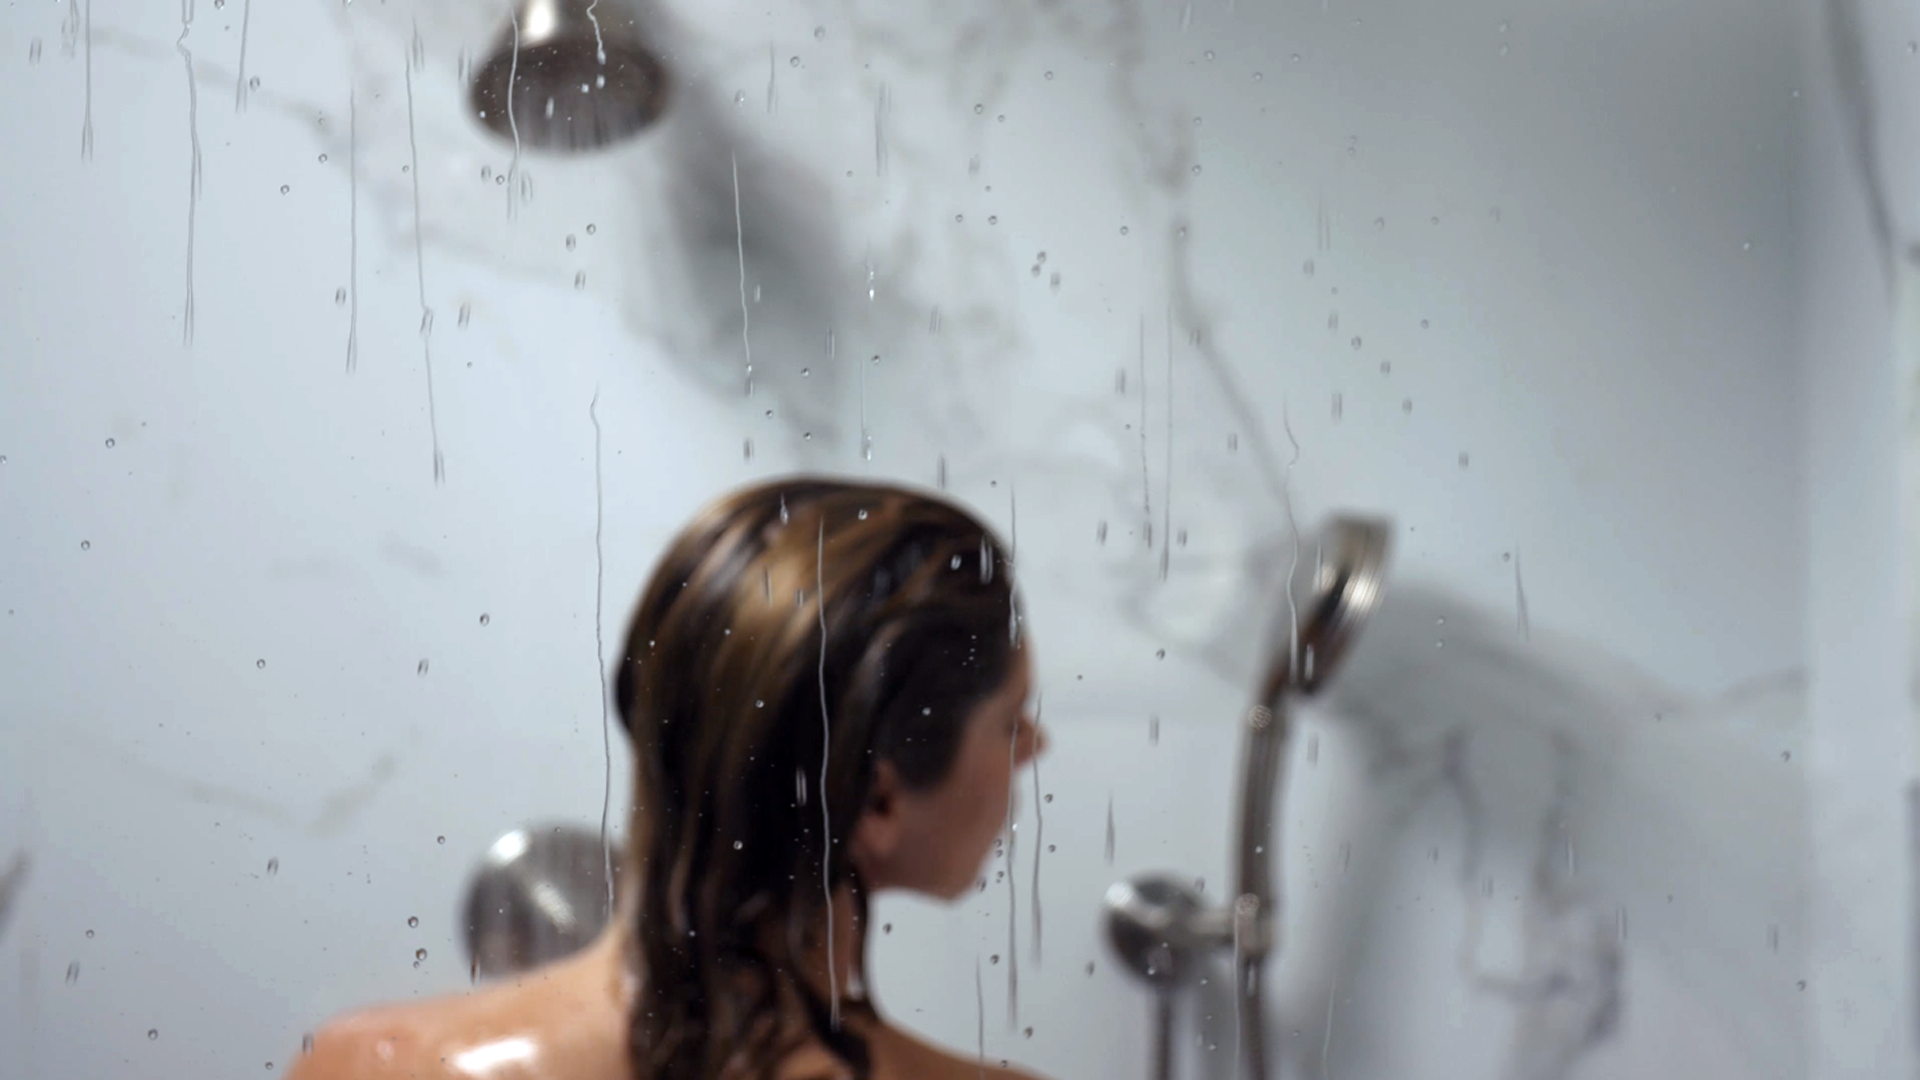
(539, 894)
(1160, 928)
(569, 76)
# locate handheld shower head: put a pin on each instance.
(1329, 604)
(1155, 923)
(569, 76)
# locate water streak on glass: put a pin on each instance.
(420, 275)
(513, 123)
(1013, 895)
(193, 175)
(826, 746)
(240, 74)
(1520, 598)
(1039, 830)
(600, 644)
(86, 121)
(740, 249)
(353, 226)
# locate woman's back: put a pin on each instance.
(567, 1021)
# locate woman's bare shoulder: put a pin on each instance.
(542, 1027)
(404, 1039)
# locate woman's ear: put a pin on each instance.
(880, 831)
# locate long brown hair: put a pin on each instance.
(795, 634)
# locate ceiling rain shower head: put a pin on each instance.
(569, 76)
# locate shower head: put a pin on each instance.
(1329, 603)
(569, 76)
(539, 894)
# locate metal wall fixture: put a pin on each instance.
(1158, 925)
(538, 895)
(570, 76)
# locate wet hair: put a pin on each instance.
(796, 629)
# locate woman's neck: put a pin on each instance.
(832, 967)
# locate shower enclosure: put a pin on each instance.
(341, 423)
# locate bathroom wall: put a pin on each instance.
(339, 437)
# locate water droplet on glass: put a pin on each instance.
(591, 229)
(1386, 367)
(793, 61)
(89, 934)
(273, 867)
(1089, 969)
(284, 188)
(33, 52)
(253, 83)
(571, 242)
(1123, 230)
(413, 921)
(994, 959)
(485, 618)
(109, 444)
(1786, 755)
(737, 845)
(73, 973)
(419, 954)
(1159, 654)
(739, 98)
(466, 315)
(993, 219)
(323, 159)
(1423, 324)
(805, 372)
(1355, 343)
(339, 297)
(1801, 985)
(1746, 245)
(440, 840)
(260, 663)
(580, 280)
(86, 545)
(152, 1034)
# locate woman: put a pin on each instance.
(825, 686)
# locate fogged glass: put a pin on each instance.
(360, 359)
